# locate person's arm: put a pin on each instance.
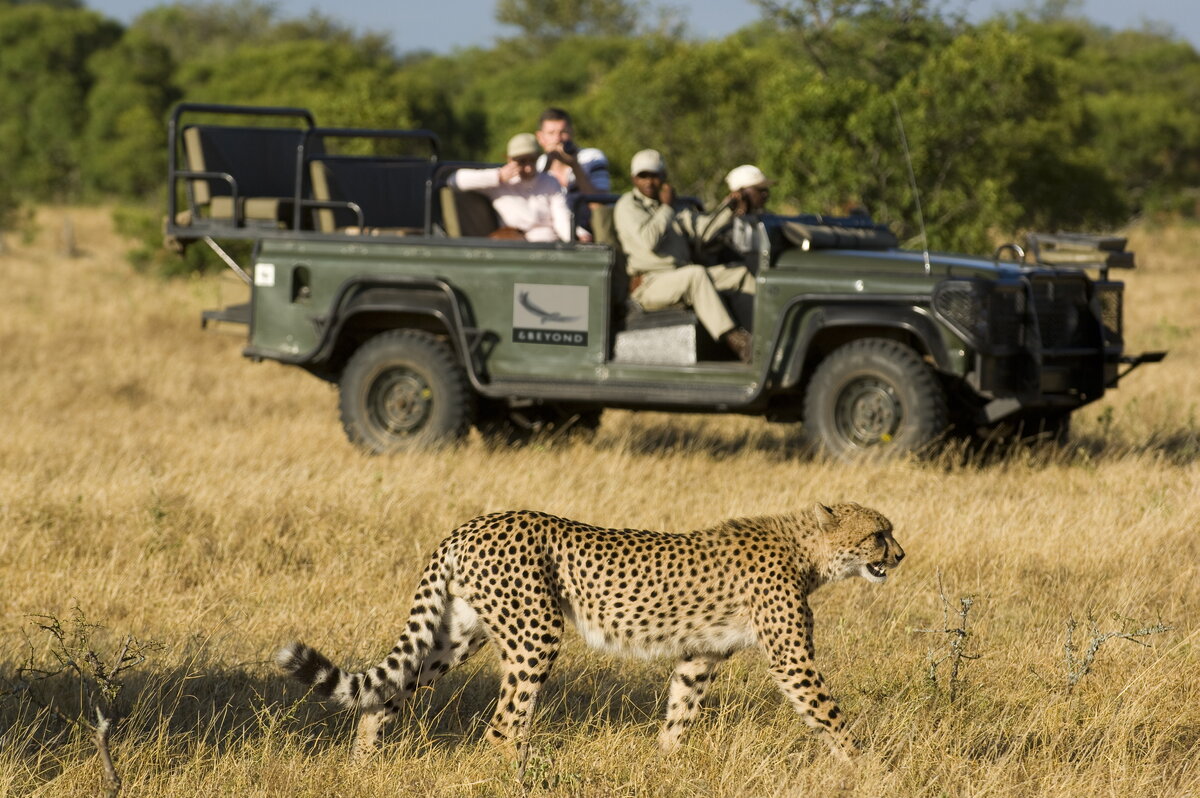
(588, 166)
(640, 230)
(710, 226)
(475, 179)
(561, 215)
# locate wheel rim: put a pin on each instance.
(868, 412)
(400, 401)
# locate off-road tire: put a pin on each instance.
(874, 397)
(404, 389)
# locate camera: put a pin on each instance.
(570, 147)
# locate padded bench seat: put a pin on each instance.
(378, 196)
(258, 163)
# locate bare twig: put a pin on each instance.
(73, 653)
(104, 725)
(959, 637)
(1077, 667)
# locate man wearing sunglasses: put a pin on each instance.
(530, 204)
(659, 238)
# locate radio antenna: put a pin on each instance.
(912, 179)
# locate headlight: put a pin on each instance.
(961, 304)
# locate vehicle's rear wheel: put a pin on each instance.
(404, 389)
(874, 396)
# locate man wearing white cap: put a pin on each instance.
(529, 203)
(749, 190)
(657, 238)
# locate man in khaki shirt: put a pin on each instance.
(657, 238)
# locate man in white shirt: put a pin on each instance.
(529, 203)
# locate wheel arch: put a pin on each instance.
(380, 309)
(834, 326)
(367, 307)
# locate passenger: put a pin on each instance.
(578, 171)
(749, 190)
(530, 204)
(658, 238)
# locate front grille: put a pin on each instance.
(1006, 316)
(1065, 318)
(992, 317)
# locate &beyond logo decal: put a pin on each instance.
(550, 314)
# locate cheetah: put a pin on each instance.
(516, 578)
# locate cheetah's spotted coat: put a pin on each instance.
(515, 578)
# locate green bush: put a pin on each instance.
(148, 253)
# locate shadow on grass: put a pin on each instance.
(1178, 447)
(211, 710)
(670, 436)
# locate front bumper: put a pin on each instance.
(1043, 342)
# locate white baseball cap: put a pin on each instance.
(648, 161)
(746, 176)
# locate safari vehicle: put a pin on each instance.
(367, 270)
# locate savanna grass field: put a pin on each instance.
(155, 485)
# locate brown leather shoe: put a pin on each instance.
(741, 343)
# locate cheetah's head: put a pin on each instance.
(861, 542)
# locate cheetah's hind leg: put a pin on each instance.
(459, 635)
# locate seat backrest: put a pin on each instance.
(390, 193)
(467, 213)
(604, 226)
(262, 160)
(604, 231)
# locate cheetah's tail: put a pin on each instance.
(398, 671)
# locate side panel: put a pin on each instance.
(539, 311)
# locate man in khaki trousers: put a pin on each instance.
(657, 237)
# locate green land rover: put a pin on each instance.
(369, 271)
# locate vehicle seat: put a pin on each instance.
(258, 164)
(467, 213)
(389, 195)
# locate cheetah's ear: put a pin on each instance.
(824, 515)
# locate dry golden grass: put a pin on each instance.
(176, 492)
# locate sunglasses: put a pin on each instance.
(644, 175)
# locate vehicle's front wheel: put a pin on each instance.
(404, 389)
(874, 396)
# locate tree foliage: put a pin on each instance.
(551, 20)
(1036, 119)
(122, 146)
(44, 84)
